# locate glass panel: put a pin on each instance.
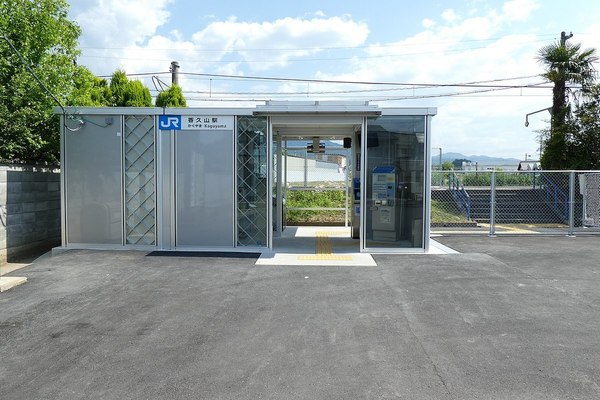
(140, 202)
(205, 199)
(274, 150)
(252, 167)
(395, 180)
(93, 182)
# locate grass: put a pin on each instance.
(441, 212)
(317, 198)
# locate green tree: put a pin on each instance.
(126, 93)
(565, 64)
(448, 165)
(584, 128)
(172, 97)
(47, 39)
(88, 90)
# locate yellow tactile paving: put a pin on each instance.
(325, 257)
(323, 244)
(324, 248)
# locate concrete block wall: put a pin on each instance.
(29, 209)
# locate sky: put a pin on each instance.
(392, 53)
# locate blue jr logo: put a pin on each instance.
(169, 122)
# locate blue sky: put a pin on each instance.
(424, 42)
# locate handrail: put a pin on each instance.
(460, 195)
(555, 195)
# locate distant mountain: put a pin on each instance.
(485, 160)
(303, 143)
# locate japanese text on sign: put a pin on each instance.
(207, 122)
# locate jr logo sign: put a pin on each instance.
(169, 122)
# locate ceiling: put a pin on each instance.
(324, 132)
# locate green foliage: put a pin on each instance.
(92, 91)
(447, 165)
(172, 97)
(445, 212)
(565, 64)
(585, 140)
(88, 90)
(578, 146)
(308, 198)
(583, 134)
(47, 40)
(126, 93)
(555, 155)
(502, 179)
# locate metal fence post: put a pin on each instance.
(306, 169)
(571, 203)
(493, 205)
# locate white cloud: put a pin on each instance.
(455, 50)
(118, 23)
(126, 37)
(519, 10)
(449, 15)
(427, 23)
(281, 39)
(476, 45)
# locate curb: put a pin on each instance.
(9, 282)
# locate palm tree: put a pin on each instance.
(565, 64)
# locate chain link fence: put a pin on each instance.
(518, 202)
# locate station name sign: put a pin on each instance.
(195, 122)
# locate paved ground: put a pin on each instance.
(510, 318)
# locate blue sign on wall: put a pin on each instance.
(169, 122)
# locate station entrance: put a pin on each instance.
(315, 209)
(376, 160)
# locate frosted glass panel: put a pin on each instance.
(205, 198)
(93, 182)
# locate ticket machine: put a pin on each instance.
(386, 207)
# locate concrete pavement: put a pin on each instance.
(509, 318)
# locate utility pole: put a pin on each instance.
(564, 37)
(175, 72)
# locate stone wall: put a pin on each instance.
(29, 210)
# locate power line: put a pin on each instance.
(287, 60)
(293, 49)
(319, 48)
(335, 81)
(320, 92)
(347, 82)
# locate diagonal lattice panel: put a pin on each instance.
(252, 181)
(140, 217)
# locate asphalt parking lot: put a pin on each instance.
(508, 318)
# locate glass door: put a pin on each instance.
(394, 183)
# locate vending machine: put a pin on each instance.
(386, 208)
